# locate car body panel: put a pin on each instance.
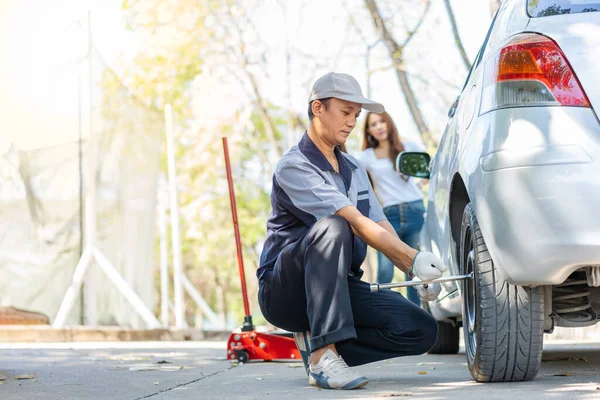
(534, 211)
(511, 18)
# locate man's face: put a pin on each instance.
(337, 120)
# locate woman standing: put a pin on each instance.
(399, 195)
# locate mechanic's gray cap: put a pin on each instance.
(344, 87)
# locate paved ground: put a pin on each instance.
(198, 370)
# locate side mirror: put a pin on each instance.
(453, 108)
(413, 164)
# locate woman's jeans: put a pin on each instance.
(407, 220)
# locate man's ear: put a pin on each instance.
(316, 108)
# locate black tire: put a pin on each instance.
(503, 323)
(242, 356)
(448, 336)
(448, 339)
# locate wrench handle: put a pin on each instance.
(375, 287)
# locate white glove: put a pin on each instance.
(427, 266)
(428, 292)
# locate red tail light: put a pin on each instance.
(530, 70)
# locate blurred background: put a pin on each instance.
(84, 86)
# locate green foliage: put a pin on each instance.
(176, 36)
(181, 35)
(209, 245)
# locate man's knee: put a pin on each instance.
(332, 227)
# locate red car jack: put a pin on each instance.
(248, 344)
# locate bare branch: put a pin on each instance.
(258, 98)
(352, 22)
(395, 53)
(457, 41)
(336, 59)
(265, 164)
(410, 34)
(369, 47)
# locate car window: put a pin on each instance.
(546, 8)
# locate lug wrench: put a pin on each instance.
(376, 286)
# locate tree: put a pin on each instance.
(395, 50)
(459, 45)
(189, 38)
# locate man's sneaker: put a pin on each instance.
(303, 343)
(332, 372)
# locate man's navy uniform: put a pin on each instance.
(309, 275)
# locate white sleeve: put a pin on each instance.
(362, 158)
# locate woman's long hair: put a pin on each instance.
(396, 145)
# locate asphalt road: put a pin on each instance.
(198, 370)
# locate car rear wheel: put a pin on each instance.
(502, 323)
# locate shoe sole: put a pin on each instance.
(323, 384)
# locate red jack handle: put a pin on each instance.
(247, 326)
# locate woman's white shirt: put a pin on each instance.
(389, 186)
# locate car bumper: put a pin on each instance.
(539, 206)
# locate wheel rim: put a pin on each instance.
(469, 294)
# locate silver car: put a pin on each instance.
(514, 193)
